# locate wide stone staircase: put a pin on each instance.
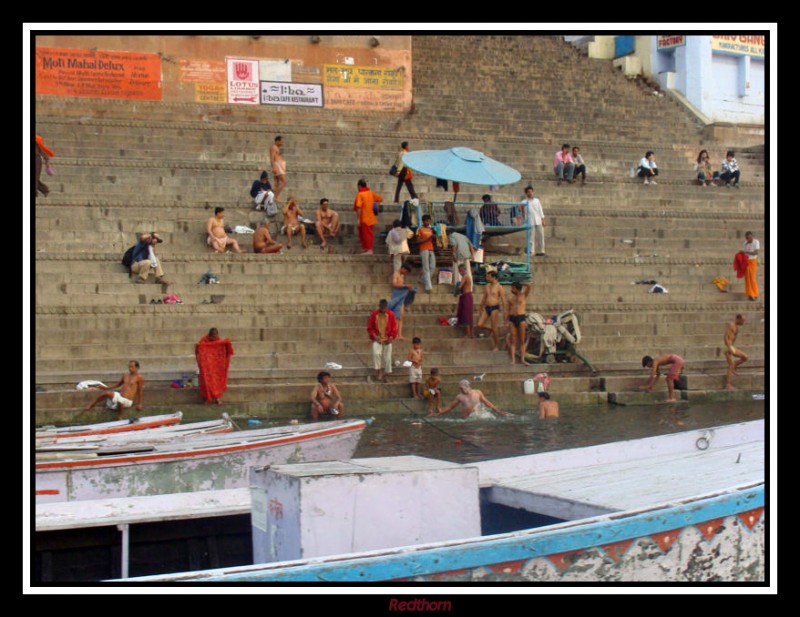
(125, 167)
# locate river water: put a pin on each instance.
(461, 441)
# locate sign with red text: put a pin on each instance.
(243, 86)
(670, 41)
(96, 73)
(739, 44)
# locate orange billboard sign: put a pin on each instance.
(100, 74)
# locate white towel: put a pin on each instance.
(88, 384)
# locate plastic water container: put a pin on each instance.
(529, 386)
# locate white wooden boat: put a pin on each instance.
(107, 428)
(682, 508)
(205, 463)
(105, 442)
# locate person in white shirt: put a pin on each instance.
(648, 168)
(730, 170)
(535, 216)
(751, 249)
(580, 165)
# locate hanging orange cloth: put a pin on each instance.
(43, 148)
(213, 359)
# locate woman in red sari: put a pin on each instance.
(213, 358)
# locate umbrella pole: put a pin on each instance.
(528, 244)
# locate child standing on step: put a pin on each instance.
(415, 370)
(432, 392)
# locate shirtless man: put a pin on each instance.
(278, 166)
(217, 238)
(291, 221)
(325, 398)
(469, 400)
(132, 386)
(676, 366)
(547, 408)
(493, 303)
(516, 320)
(263, 242)
(731, 353)
(327, 224)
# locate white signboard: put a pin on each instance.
(242, 81)
(275, 70)
(283, 93)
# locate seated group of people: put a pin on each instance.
(729, 172)
(326, 224)
(568, 164)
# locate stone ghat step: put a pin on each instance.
(116, 140)
(432, 104)
(75, 218)
(469, 354)
(308, 181)
(665, 201)
(248, 297)
(350, 327)
(561, 246)
(310, 267)
(612, 116)
(165, 316)
(337, 341)
(61, 231)
(60, 380)
(363, 386)
(679, 318)
(309, 261)
(51, 237)
(372, 398)
(319, 297)
(312, 152)
(129, 143)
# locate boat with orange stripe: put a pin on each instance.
(211, 462)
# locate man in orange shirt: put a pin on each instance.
(366, 210)
(425, 244)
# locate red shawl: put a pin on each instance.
(213, 359)
(740, 262)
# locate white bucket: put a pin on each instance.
(529, 386)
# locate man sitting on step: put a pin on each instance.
(144, 260)
(261, 192)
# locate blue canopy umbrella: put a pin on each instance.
(461, 165)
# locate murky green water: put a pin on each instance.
(452, 439)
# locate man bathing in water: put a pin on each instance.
(132, 385)
(676, 366)
(731, 353)
(325, 398)
(492, 305)
(469, 400)
(516, 320)
(547, 408)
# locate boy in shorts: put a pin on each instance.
(432, 391)
(415, 370)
